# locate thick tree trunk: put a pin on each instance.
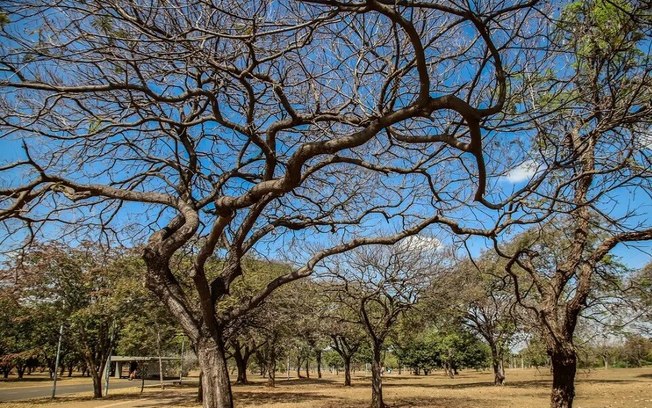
(347, 371)
(499, 372)
(376, 379)
(564, 367)
(241, 365)
(97, 383)
(216, 388)
(497, 363)
(318, 353)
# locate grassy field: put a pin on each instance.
(627, 388)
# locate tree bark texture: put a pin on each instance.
(216, 389)
(564, 367)
(376, 380)
(347, 371)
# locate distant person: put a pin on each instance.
(133, 370)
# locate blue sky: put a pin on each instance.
(634, 257)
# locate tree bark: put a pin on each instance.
(318, 354)
(564, 367)
(271, 371)
(241, 361)
(97, 383)
(376, 379)
(216, 388)
(307, 367)
(498, 366)
(347, 371)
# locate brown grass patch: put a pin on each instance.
(623, 388)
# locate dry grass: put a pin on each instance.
(626, 388)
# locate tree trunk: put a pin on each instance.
(97, 383)
(307, 367)
(318, 354)
(299, 367)
(499, 372)
(216, 388)
(271, 371)
(448, 370)
(241, 365)
(497, 363)
(347, 371)
(20, 370)
(376, 379)
(564, 367)
(70, 370)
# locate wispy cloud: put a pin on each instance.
(645, 140)
(522, 172)
(420, 243)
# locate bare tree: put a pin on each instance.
(590, 111)
(379, 284)
(342, 326)
(490, 313)
(223, 128)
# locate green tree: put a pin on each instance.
(81, 287)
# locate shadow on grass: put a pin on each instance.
(304, 381)
(77, 398)
(521, 384)
(262, 397)
(415, 402)
(644, 376)
(435, 402)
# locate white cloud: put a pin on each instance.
(522, 172)
(420, 243)
(645, 140)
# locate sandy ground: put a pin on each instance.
(626, 388)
